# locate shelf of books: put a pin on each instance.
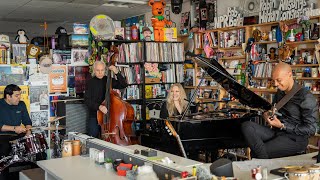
(150, 69)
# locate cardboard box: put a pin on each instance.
(152, 80)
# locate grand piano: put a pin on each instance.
(208, 132)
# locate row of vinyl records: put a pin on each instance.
(171, 73)
(155, 52)
(133, 92)
(263, 70)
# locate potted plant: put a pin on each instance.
(304, 22)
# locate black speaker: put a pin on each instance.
(222, 167)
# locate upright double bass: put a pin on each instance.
(116, 125)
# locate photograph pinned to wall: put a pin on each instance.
(170, 34)
(61, 56)
(146, 33)
(19, 52)
(39, 98)
(79, 40)
(58, 80)
(79, 57)
(71, 70)
(119, 33)
(9, 75)
(36, 77)
(185, 23)
(53, 106)
(39, 118)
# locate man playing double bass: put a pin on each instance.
(95, 94)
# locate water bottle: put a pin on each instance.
(128, 32)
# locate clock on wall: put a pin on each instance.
(250, 7)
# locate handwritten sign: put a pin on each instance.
(232, 18)
(275, 10)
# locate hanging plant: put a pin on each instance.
(304, 21)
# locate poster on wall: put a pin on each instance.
(58, 80)
(24, 95)
(39, 98)
(11, 75)
(39, 118)
(35, 76)
(82, 74)
(146, 33)
(79, 57)
(170, 34)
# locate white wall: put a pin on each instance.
(222, 5)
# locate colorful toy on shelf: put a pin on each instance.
(299, 36)
(22, 38)
(256, 33)
(265, 36)
(158, 21)
(33, 51)
(272, 54)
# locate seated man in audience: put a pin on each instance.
(287, 134)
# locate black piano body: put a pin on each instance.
(212, 131)
(204, 133)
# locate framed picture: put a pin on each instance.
(79, 57)
(79, 40)
(146, 33)
(170, 34)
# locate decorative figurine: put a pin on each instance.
(256, 33)
(33, 51)
(22, 38)
(272, 54)
(298, 36)
(158, 21)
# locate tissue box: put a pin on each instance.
(149, 152)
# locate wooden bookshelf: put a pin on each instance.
(266, 42)
(304, 65)
(233, 58)
(302, 42)
(265, 90)
(307, 78)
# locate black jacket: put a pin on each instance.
(96, 89)
(300, 113)
(164, 111)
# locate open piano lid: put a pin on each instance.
(219, 74)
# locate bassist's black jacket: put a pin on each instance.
(96, 89)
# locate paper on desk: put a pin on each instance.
(270, 164)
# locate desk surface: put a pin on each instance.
(77, 167)
(181, 161)
(241, 169)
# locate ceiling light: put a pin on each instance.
(115, 5)
(130, 1)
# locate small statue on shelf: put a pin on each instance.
(315, 32)
(265, 36)
(22, 38)
(272, 54)
(256, 33)
(285, 53)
